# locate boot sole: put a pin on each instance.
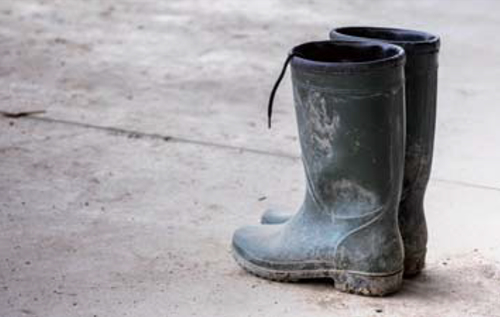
(360, 283)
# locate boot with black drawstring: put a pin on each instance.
(349, 102)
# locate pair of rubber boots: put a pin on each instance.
(365, 104)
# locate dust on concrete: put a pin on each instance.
(150, 241)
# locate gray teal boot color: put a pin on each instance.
(421, 88)
(349, 102)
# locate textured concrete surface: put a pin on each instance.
(121, 198)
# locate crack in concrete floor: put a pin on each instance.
(169, 138)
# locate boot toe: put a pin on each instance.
(262, 249)
(274, 216)
(252, 243)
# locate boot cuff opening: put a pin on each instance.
(412, 41)
(346, 56)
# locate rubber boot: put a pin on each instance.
(349, 102)
(421, 88)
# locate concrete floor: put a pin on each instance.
(121, 198)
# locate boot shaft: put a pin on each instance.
(349, 101)
(421, 67)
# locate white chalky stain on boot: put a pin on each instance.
(322, 127)
(348, 191)
(347, 194)
(320, 130)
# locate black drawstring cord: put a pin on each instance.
(276, 85)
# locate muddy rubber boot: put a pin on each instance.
(349, 102)
(421, 88)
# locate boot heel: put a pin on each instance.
(362, 284)
(414, 265)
